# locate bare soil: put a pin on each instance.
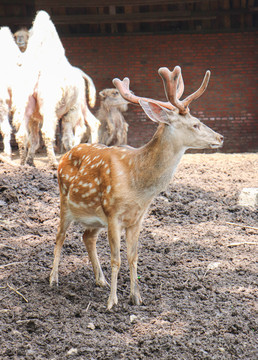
(198, 286)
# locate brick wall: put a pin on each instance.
(229, 105)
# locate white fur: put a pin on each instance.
(54, 87)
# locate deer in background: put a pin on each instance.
(113, 128)
(21, 38)
(9, 68)
(48, 88)
(113, 186)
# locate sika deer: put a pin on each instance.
(113, 186)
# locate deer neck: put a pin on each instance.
(157, 160)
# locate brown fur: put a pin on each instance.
(113, 187)
(113, 128)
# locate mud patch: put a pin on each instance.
(199, 293)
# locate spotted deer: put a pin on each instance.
(113, 187)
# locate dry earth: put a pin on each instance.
(197, 272)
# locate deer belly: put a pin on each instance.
(89, 217)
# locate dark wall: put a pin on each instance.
(229, 104)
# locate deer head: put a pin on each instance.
(191, 133)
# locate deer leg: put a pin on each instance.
(33, 142)
(132, 235)
(60, 237)
(22, 140)
(90, 238)
(5, 129)
(114, 233)
(67, 135)
(79, 131)
(48, 133)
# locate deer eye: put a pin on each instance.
(196, 126)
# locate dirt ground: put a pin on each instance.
(197, 271)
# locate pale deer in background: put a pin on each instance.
(113, 186)
(113, 128)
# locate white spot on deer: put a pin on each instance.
(60, 172)
(90, 185)
(74, 204)
(108, 171)
(108, 189)
(92, 191)
(75, 162)
(122, 157)
(105, 202)
(106, 165)
(85, 184)
(64, 186)
(75, 190)
(130, 162)
(67, 177)
(97, 181)
(83, 157)
(70, 156)
(71, 169)
(85, 195)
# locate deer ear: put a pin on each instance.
(155, 112)
(101, 94)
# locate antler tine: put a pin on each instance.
(174, 86)
(180, 86)
(200, 91)
(123, 88)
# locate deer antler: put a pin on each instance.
(123, 88)
(173, 84)
(174, 88)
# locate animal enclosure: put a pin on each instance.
(197, 287)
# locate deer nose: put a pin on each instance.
(220, 138)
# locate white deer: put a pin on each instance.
(50, 88)
(9, 59)
(113, 186)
